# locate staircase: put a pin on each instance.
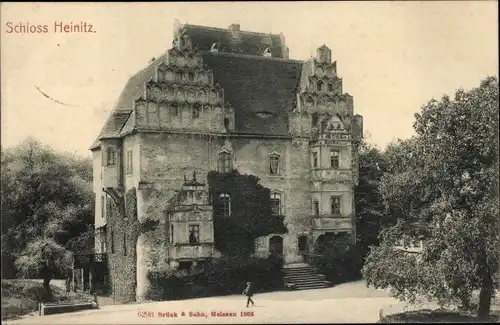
(304, 277)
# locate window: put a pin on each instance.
(276, 204)
(124, 244)
(129, 161)
(320, 85)
(315, 119)
(103, 206)
(274, 164)
(334, 158)
(178, 76)
(316, 208)
(224, 204)
(171, 234)
(112, 241)
(330, 86)
(302, 241)
(315, 159)
(335, 205)
(194, 234)
(226, 123)
(225, 162)
(174, 109)
(196, 110)
(191, 76)
(110, 157)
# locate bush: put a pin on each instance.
(218, 277)
(341, 265)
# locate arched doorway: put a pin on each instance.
(276, 246)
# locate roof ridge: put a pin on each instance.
(227, 29)
(249, 56)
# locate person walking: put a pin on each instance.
(249, 293)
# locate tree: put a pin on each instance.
(46, 201)
(442, 185)
(371, 216)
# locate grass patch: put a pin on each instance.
(436, 316)
(21, 297)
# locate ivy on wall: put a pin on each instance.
(251, 215)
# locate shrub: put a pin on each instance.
(218, 277)
(339, 264)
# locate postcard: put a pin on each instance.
(249, 162)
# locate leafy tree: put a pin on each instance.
(47, 201)
(442, 184)
(371, 216)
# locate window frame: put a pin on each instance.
(315, 206)
(225, 204)
(129, 168)
(275, 158)
(224, 162)
(337, 199)
(275, 197)
(315, 159)
(110, 157)
(198, 232)
(334, 159)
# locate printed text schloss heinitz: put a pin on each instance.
(56, 27)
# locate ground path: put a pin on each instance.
(346, 303)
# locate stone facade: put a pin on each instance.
(209, 105)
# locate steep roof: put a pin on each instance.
(261, 90)
(250, 43)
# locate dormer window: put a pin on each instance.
(214, 48)
(268, 53)
(110, 157)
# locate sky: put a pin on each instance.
(393, 57)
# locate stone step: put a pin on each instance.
(307, 283)
(302, 276)
(311, 287)
(299, 271)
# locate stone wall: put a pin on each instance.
(121, 247)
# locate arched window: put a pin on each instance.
(276, 204)
(224, 205)
(330, 86)
(111, 157)
(225, 164)
(319, 85)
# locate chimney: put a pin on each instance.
(235, 30)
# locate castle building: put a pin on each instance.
(219, 100)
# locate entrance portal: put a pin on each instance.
(302, 244)
(276, 246)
